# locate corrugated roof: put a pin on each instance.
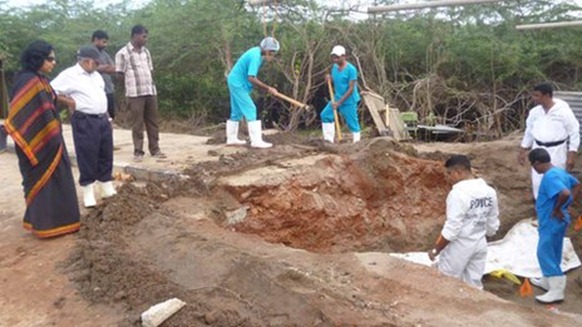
(574, 99)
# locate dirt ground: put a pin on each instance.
(296, 235)
(34, 290)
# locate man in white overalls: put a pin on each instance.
(551, 125)
(472, 214)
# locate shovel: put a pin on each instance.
(335, 116)
(293, 101)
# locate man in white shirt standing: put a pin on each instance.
(82, 89)
(472, 214)
(551, 125)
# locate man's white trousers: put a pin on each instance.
(464, 259)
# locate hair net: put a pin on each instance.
(270, 44)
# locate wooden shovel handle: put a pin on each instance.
(290, 100)
(335, 115)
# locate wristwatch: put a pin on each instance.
(434, 252)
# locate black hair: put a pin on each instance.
(540, 155)
(458, 161)
(545, 89)
(138, 29)
(33, 57)
(99, 35)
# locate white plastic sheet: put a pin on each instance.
(516, 253)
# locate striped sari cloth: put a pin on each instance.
(49, 187)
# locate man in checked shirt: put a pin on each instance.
(133, 64)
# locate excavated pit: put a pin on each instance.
(265, 238)
(375, 200)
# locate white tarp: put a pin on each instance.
(516, 253)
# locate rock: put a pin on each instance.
(119, 296)
(236, 216)
(158, 313)
(210, 318)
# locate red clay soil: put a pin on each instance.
(375, 200)
(157, 241)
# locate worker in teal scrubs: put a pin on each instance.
(344, 76)
(241, 80)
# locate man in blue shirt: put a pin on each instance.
(344, 76)
(557, 190)
(240, 81)
(99, 40)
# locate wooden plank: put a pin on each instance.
(397, 126)
(373, 95)
(389, 123)
(373, 102)
(378, 120)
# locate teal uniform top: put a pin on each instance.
(247, 65)
(341, 82)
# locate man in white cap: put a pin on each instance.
(241, 81)
(551, 125)
(344, 76)
(82, 89)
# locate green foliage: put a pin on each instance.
(468, 64)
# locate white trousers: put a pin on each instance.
(464, 259)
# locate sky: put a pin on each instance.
(363, 4)
(99, 3)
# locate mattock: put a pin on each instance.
(293, 101)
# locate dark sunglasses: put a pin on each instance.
(51, 59)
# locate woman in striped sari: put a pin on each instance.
(34, 124)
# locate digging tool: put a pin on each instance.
(293, 101)
(335, 116)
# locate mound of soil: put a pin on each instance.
(155, 241)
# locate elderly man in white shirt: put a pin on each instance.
(472, 214)
(551, 125)
(82, 89)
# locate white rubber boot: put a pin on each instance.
(232, 133)
(256, 134)
(89, 196)
(107, 189)
(356, 137)
(328, 130)
(556, 290)
(541, 282)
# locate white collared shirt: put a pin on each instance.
(88, 90)
(558, 124)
